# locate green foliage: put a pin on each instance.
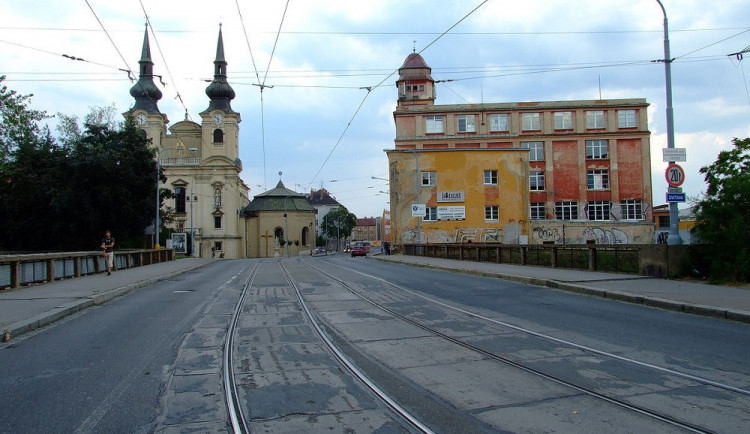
(339, 223)
(320, 241)
(723, 214)
(63, 196)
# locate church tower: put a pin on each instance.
(219, 122)
(415, 83)
(146, 112)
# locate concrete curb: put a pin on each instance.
(21, 327)
(655, 302)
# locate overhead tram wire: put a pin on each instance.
(127, 67)
(262, 84)
(369, 89)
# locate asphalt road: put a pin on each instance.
(106, 369)
(148, 361)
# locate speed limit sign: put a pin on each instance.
(675, 175)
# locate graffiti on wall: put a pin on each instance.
(605, 236)
(544, 233)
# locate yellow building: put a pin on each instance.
(477, 195)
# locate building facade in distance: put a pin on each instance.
(587, 171)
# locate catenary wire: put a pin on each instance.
(369, 90)
(127, 67)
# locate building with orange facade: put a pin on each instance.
(518, 172)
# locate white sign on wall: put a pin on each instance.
(451, 213)
(418, 210)
(450, 196)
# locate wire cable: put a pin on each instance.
(369, 90)
(127, 67)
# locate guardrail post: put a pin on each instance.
(592, 258)
(554, 257)
(51, 270)
(524, 255)
(15, 274)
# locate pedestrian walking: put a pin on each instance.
(108, 250)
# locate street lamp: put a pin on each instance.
(416, 186)
(192, 199)
(286, 224)
(674, 217)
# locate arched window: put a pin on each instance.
(305, 234)
(218, 136)
(278, 234)
(179, 199)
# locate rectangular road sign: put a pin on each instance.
(676, 197)
(676, 155)
(674, 189)
(418, 210)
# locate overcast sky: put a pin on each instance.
(328, 51)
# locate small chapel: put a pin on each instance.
(279, 222)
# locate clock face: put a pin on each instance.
(218, 119)
(141, 119)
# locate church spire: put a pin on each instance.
(219, 91)
(145, 92)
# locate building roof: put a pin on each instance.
(524, 106)
(367, 221)
(278, 198)
(321, 198)
(414, 68)
(219, 91)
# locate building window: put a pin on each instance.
(536, 150)
(490, 177)
(563, 120)
(491, 213)
(663, 221)
(598, 210)
(530, 122)
(217, 246)
(632, 209)
(498, 122)
(217, 222)
(536, 180)
(467, 124)
(595, 119)
(430, 214)
(429, 179)
(179, 200)
(597, 179)
(435, 125)
(566, 210)
(626, 119)
(538, 211)
(597, 149)
(218, 136)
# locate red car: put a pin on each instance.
(359, 250)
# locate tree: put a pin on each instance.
(339, 223)
(62, 195)
(723, 214)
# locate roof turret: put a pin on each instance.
(145, 92)
(219, 91)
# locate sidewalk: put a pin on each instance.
(31, 307)
(683, 296)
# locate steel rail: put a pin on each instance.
(621, 403)
(234, 407)
(416, 423)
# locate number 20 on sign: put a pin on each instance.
(675, 175)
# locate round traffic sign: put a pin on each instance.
(675, 175)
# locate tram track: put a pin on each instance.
(651, 413)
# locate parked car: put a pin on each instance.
(358, 250)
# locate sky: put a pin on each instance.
(316, 121)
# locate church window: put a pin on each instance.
(217, 222)
(179, 200)
(218, 136)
